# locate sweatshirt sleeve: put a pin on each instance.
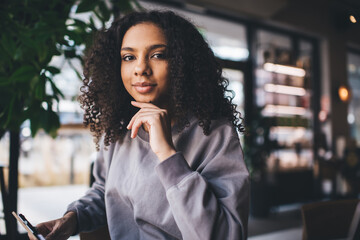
(211, 201)
(90, 209)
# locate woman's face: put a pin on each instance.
(144, 66)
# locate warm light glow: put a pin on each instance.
(352, 19)
(297, 91)
(288, 70)
(285, 110)
(343, 93)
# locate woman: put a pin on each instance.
(170, 165)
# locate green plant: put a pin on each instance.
(32, 33)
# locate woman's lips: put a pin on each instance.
(144, 87)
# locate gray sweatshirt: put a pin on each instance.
(201, 192)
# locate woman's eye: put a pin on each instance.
(159, 55)
(127, 58)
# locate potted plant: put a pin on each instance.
(32, 33)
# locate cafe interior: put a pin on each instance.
(294, 69)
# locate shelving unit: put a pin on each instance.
(286, 104)
(284, 96)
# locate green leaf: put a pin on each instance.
(78, 23)
(53, 70)
(34, 81)
(86, 6)
(43, 52)
(5, 81)
(36, 114)
(92, 24)
(8, 44)
(40, 88)
(29, 44)
(48, 120)
(55, 89)
(18, 54)
(40, 91)
(53, 123)
(124, 6)
(34, 126)
(105, 12)
(24, 73)
(75, 36)
(70, 53)
(98, 15)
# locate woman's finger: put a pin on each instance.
(53, 236)
(149, 117)
(143, 107)
(144, 112)
(139, 120)
(158, 125)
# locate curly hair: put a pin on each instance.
(196, 82)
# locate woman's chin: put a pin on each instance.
(157, 101)
(144, 100)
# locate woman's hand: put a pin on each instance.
(156, 121)
(59, 229)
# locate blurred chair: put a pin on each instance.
(354, 232)
(328, 220)
(328, 170)
(99, 234)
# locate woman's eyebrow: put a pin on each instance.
(127, 49)
(152, 47)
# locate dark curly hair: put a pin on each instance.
(196, 82)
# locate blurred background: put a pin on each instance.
(293, 67)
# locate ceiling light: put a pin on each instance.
(283, 110)
(290, 90)
(283, 69)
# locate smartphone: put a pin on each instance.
(27, 225)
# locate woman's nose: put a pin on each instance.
(142, 68)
